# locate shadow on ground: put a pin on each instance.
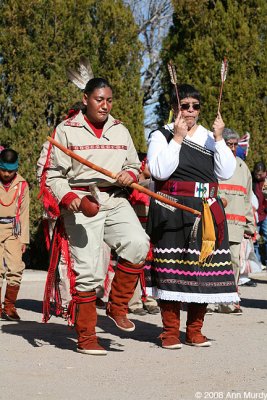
(38, 334)
(51, 334)
(145, 330)
(30, 305)
(64, 337)
(60, 335)
(253, 303)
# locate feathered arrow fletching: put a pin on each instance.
(172, 73)
(82, 75)
(224, 69)
(173, 77)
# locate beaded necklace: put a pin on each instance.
(14, 197)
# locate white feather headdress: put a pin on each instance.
(82, 75)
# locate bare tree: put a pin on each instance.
(153, 18)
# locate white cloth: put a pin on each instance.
(255, 204)
(248, 261)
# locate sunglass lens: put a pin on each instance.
(186, 106)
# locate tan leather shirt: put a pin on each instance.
(114, 151)
(9, 202)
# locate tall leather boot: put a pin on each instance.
(85, 323)
(170, 314)
(9, 312)
(122, 290)
(195, 318)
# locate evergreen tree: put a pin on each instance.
(116, 52)
(203, 32)
(39, 39)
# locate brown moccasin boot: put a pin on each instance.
(85, 323)
(122, 290)
(195, 318)
(170, 314)
(121, 320)
(9, 312)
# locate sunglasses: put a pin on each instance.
(229, 144)
(186, 106)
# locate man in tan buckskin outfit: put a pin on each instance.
(96, 136)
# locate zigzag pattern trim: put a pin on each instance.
(191, 251)
(147, 267)
(219, 264)
(194, 273)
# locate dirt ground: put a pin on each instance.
(39, 361)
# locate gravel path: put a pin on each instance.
(38, 361)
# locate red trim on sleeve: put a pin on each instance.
(67, 199)
(227, 186)
(132, 175)
(235, 217)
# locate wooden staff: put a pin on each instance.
(113, 176)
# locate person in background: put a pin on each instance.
(260, 189)
(14, 230)
(237, 191)
(141, 305)
(249, 264)
(186, 160)
(48, 223)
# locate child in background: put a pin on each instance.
(14, 230)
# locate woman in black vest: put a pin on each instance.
(186, 160)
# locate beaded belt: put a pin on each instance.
(192, 189)
(6, 220)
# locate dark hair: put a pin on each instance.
(184, 91)
(142, 156)
(9, 156)
(259, 166)
(96, 83)
(75, 108)
(92, 84)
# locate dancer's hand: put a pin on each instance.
(74, 205)
(218, 127)
(180, 128)
(124, 178)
